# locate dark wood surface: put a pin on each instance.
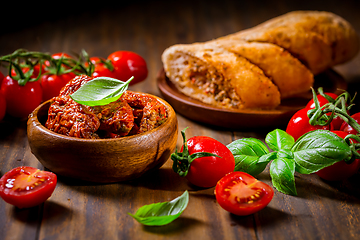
(82, 210)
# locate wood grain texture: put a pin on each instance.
(83, 210)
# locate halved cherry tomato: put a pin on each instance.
(345, 127)
(21, 100)
(26, 187)
(337, 121)
(128, 64)
(340, 170)
(2, 106)
(299, 124)
(242, 194)
(52, 84)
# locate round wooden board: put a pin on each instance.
(197, 111)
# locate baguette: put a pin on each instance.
(258, 67)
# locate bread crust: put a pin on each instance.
(319, 39)
(243, 84)
(257, 67)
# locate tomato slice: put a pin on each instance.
(26, 187)
(242, 194)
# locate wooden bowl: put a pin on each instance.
(101, 160)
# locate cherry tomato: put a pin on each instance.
(128, 64)
(206, 171)
(340, 170)
(1, 77)
(242, 194)
(2, 106)
(337, 121)
(52, 84)
(35, 73)
(58, 56)
(299, 124)
(101, 69)
(26, 187)
(345, 127)
(322, 100)
(21, 100)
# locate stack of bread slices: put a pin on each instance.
(258, 67)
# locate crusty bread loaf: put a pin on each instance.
(257, 67)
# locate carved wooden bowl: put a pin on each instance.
(101, 160)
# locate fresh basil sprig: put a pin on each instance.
(100, 91)
(310, 153)
(159, 214)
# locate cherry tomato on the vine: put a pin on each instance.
(322, 100)
(340, 170)
(2, 106)
(345, 127)
(100, 68)
(26, 187)
(206, 171)
(36, 70)
(242, 194)
(128, 64)
(299, 124)
(102, 71)
(1, 77)
(337, 121)
(58, 56)
(21, 100)
(52, 84)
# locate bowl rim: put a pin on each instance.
(33, 117)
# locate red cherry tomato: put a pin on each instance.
(242, 194)
(128, 64)
(100, 68)
(299, 124)
(58, 56)
(21, 100)
(337, 121)
(2, 106)
(340, 170)
(322, 100)
(26, 187)
(103, 71)
(345, 127)
(1, 77)
(206, 171)
(35, 73)
(52, 84)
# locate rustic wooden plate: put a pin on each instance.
(197, 111)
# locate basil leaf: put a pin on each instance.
(247, 152)
(318, 149)
(159, 214)
(268, 157)
(279, 139)
(100, 91)
(282, 175)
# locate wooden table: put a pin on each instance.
(82, 210)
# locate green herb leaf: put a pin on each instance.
(318, 149)
(159, 214)
(100, 91)
(279, 139)
(282, 172)
(247, 152)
